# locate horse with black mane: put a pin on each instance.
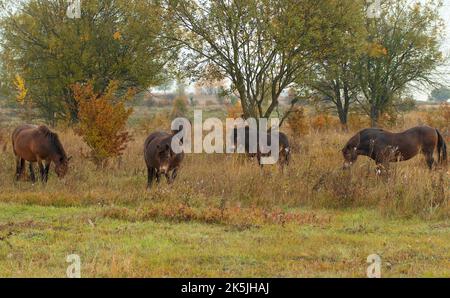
(383, 146)
(283, 141)
(160, 158)
(38, 144)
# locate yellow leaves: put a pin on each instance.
(85, 37)
(376, 50)
(298, 122)
(102, 120)
(22, 91)
(235, 111)
(117, 35)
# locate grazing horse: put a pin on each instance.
(37, 144)
(384, 147)
(283, 141)
(160, 158)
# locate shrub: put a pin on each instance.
(440, 119)
(179, 107)
(357, 122)
(235, 110)
(298, 122)
(102, 120)
(324, 121)
(159, 121)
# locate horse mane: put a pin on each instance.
(54, 140)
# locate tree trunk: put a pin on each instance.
(374, 116)
(343, 119)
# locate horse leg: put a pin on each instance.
(47, 169)
(382, 166)
(32, 176)
(429, 159)
(258, 158)
(173, 175)
(167, 175)
(158, 176)
(42, 171)
(150, 175)
(19, 167)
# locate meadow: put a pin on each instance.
(224, 216)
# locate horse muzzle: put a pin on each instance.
(164, 169)
(347, 165)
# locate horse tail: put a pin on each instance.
(442, 148)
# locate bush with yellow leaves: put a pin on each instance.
(298, 122)
(440, 118)
(157, 122)
(26, 104)
(102, 120)
(324, 121)
(235, 111)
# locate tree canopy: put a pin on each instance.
(113, 40)
(261, 46)
(441, 94)
(402, 48)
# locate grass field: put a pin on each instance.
(335, 244)
(226, 217)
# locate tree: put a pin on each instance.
(102, 120)
(441, 94)
(402, 48)
(113, 40)
(334, 77)
(261, 46)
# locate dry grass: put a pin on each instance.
(226, 182)
(231, 192)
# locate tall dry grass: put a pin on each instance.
(233, 189)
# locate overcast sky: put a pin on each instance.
(445, 14)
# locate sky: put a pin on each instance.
(445, 47)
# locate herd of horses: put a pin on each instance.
(38, 144)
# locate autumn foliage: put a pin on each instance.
(298, 122)
(235, 111)
(102, 120)
(440, 118)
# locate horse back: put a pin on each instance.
(153, 136)
(21, 135)
(31, 141)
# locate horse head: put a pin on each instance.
(62, 166)
(350, 151)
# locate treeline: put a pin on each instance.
(346, 53)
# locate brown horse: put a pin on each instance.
(283, 141)
(384, 147)
(37, 144)
(160, 158)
